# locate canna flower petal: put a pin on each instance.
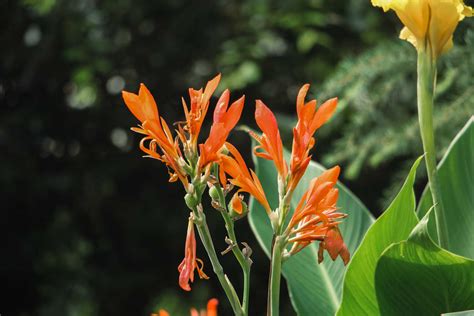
(335, 246)
(316, 218)
(158, 142)
(211, 310)
(236, 203)
(212, 307)
(429, 24)
(199, 104)
(270, 141)
(190, 262)
(225, 120)
(143, 105)
(310, 119)
(241, 177)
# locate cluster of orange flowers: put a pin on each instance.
(315, 218)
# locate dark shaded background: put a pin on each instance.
(89, 227)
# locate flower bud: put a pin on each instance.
(214, 193)
(237, 206)
(274, 220)
(224, 150)
(191, 201)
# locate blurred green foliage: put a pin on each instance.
(93, 229)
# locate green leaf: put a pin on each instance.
(314, 289)
(394, 225)
(456, 180)
(463, 313)
(416, 277)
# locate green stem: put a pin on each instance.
(426, 86)
(245, 263)
(246, 291)
(275, 277)
(206, 239)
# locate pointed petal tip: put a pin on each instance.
(259, 104)
(126, 94)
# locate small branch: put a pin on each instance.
(243, 259)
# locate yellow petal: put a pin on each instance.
(447, 46)
(466, 11)
(407, 35)
(445, 17)
(384, 4)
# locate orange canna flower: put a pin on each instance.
(224, 121)
(210, 311)
(156, 131)
(196, 112)
(316, 218)
(190, 262)
(310, 119)
(270, 141)
(242, 177)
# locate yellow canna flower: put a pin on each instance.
(429, 24)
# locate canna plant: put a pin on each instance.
(429, 26)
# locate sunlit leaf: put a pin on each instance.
(394, 225)
(456, 180)
(416, 277)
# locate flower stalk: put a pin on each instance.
(206, 239)
(244, 261)
(425, 90)
(275, 276)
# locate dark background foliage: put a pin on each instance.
(89, 227)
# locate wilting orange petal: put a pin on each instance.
(335, 246)
(190, 262)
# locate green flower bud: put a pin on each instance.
(214, 193)
(191, 201)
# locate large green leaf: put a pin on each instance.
(394, 225)
(314, 289)
(456, 180)
(416, 277)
